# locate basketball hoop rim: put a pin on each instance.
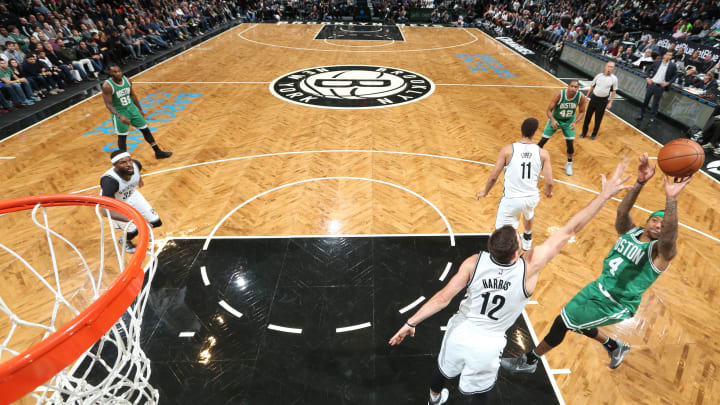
(36, 365)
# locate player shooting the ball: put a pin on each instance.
(639, 256)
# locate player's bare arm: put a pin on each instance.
(581, 110)
(667, 243)
(539, 256)
(623, 219)
(135, 100)
(502, 160)
(107, 98)
(439, 301)
(547, 173)
(549, 112)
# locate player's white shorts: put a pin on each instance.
(137, 201)
(509, 210)
(467, 352)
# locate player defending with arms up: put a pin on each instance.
(561, 114)
(522, 162)
(640, 255)
(499, 283)
(125, 108)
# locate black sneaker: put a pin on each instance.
(592, 138)
(162, 155)
(518, 365)
(583, 136)
(617, 355)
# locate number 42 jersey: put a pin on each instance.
(495, 295)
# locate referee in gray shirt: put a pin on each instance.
(602, 93)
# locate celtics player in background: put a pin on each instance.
(640, 255)
(561, 114)
(125, 108)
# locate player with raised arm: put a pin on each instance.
(522, 162)
(499, 283)
(561, 115)
(638, 257)
(123, 104)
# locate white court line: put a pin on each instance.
(615, 115)
(387, 152)
(551, 377)
(99, 93)
(361, 46)
(7, 157)
(284, 329)
(442, 216)
(532, 302)
(446, 271)
(201, 82)
(560, 371)
(354, 327)
(205, 279)
(186, 334)
(230, 309)
(411, 305)
(498, 85)
(475, 39)
(354, 235)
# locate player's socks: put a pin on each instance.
(527, 235)
(610, 345)
(122, 142)
(570, 159)
(532, 358)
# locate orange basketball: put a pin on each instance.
(681, 157)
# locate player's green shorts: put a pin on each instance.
(590, 308)
(136, 120)
(564, 126)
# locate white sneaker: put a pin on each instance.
(127, 245)
(568, 168)
(526, 243)
(444, 395)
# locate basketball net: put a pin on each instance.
(112, 367)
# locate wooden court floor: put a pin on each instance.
(401, 169)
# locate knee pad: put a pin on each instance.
(570, 146)
(557, 332)
(591, 333)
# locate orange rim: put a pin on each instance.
(36, 365)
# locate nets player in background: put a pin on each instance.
(640, 255)
(522, 162)
(121, 182)
(123, 104)
(499, 283)
(561, 114)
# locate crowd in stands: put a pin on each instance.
(634, 33)
(50, 45)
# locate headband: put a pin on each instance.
(120, 156)
(660, 214)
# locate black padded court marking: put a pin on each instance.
(318, 285)
(361, 33)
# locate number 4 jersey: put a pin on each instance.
(495, 295)
(628, 269)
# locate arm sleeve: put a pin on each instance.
(139, 165)
(109, 186)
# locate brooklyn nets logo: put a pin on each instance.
(352, 86)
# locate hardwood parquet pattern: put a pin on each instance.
(673, 360)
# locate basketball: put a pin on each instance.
(681, 157)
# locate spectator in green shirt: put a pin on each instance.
(19, 89)
(22, 40)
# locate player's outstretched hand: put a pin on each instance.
(645, 170)
(404, 332)
(616, 183)
(480, 195)
(673, 189)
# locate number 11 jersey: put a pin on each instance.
(523, 171)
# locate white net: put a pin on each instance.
(53, 283)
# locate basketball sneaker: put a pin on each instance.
(518, 365)
(444, 395)
(127, 245)
(162, 154)
(708, 145)
(526, 243)
(617, 355)
(568, 168)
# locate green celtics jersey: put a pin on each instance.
(121, 95)
(628, 269)
(565, 109)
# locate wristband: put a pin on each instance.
(409, 324)
(642, 183)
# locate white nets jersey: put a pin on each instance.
(495, 295)
(126, 188)
(523, 171)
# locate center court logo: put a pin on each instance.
(352, 87)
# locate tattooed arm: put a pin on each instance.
(667, 244)
(623, 220)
